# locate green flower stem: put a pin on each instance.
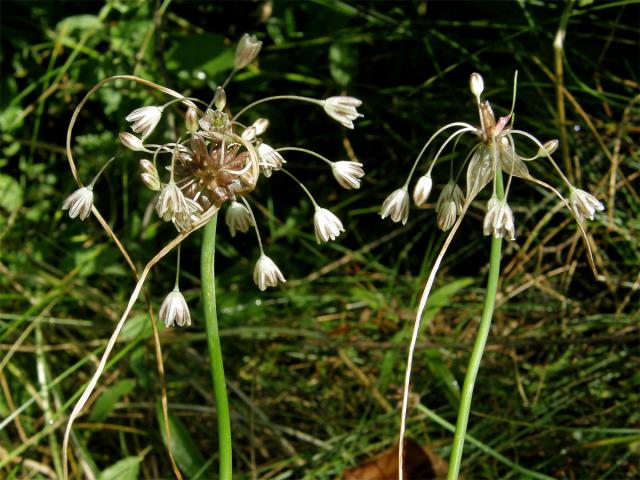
(215, 353)
(478, 349)
(474, 361)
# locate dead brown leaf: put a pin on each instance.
(420, 463)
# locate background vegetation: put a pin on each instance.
(315, 367)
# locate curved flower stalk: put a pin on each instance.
(215, 163)
(493, 155)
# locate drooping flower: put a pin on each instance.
(238, 218)
(327, 225)
(347, 174)
(79, 203)
(270, 160)
(499, 219)
(145, 120)
(451, 192)
(422, 189)
(246, 51)
(449, 205)
(174, 310)
(584, 204)
(396, 206)
(447, 215)
(342, 109)
(173, 205)
(266, 273)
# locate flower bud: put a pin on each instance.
(132, 142)
(191, 119)
(477, 84)
(548, 148)
(246, 51)
(150, 175)
(220, 99)
(249, 134)
(261, 125)
(422, 189)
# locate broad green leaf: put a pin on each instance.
(187, 456)
(126, 469)
(8, 118)
(204, 52)
(86, 260)
(139, 366)
(138, 327)
(79, 22)
(10, 193)
(373, 298)
(343, 62)
(438, 299)
(440, 370)
(106, 402)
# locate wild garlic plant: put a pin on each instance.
(214, 163)
(493, 155)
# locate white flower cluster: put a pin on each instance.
(218, 161)
(494, 153)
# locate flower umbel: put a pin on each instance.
(327, 225)
(266, 273)
(214, 159)
(174, 310)
(79, 203)
(491, 158)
